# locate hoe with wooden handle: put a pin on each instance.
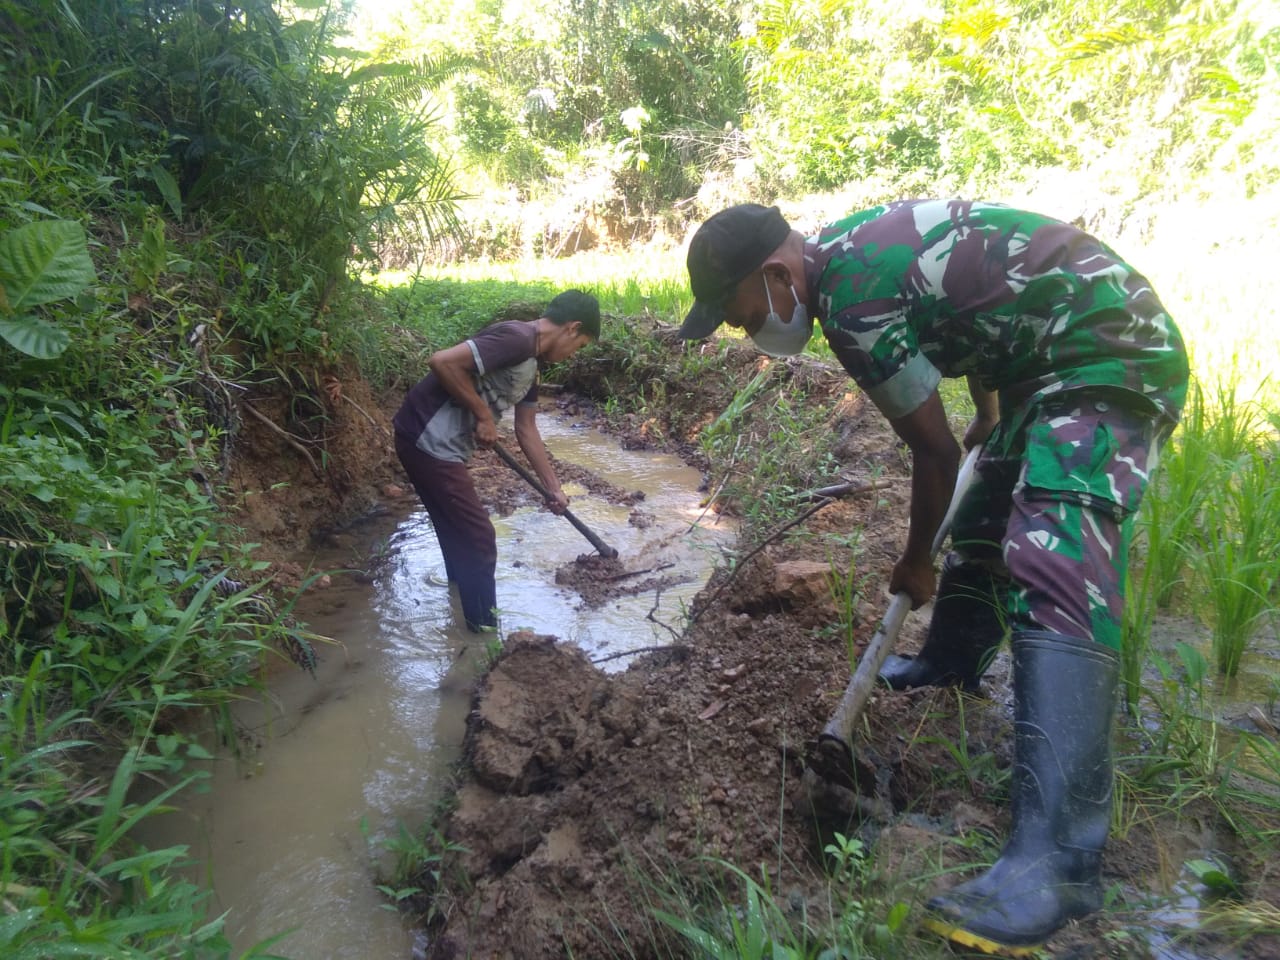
(834, 750)
(606, 551)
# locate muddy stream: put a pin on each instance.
(287, 832)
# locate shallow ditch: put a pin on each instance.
(287, 833)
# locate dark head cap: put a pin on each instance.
(729, 246)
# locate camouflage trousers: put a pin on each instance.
(1052, 504)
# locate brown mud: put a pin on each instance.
(584, 792)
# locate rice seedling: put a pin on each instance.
(1172, 505)
(1239, 543)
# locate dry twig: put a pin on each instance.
(636, 573)
(679, 647)
(385, 431)
(657, 602)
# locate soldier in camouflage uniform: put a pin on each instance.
(1077, 374)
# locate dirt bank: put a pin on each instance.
(586, 795)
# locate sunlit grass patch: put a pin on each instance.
(1237, 559)
(646, 281)
(1209, 530)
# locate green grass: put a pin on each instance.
(119, 618)
(648, 283)
(1237, 557)
(1209, 530)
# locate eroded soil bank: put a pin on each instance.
(582, 790)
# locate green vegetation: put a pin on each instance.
(182, 189)
(1209, 530)
(702, 103)
(189, 195)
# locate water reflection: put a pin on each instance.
(328, 764)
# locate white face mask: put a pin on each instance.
(778, 338)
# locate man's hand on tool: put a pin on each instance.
(557, 502)
(917, 580)
(486, 431)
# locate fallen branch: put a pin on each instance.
(385, 431)
(850, 489)
(853, 489)
(288, 437)
(636, 573)
(657, 602)
(658, 649)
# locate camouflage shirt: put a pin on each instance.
(916, 290)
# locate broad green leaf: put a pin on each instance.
(1213, 877)
(44, 261)
(168, 188)
(108, 585)
(34, 336)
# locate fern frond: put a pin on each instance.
(1098, 43)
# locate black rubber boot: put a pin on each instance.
(965, 630)
(1049, 871)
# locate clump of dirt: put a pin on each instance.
(601, 579)
(681, 758)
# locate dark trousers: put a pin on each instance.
(462, 525)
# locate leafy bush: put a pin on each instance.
(240, 120)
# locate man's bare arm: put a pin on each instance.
(455, 367)
(986, 403)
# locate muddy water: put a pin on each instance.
(675, 538)
(1256, 684)
(278, 837)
